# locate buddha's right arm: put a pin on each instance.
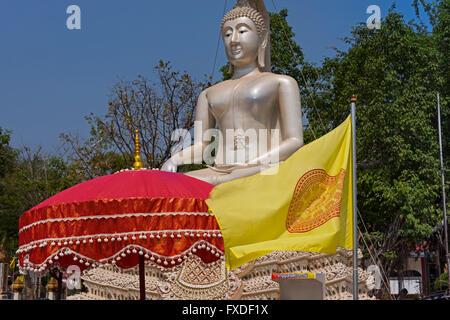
(204, 121)
(190, 155)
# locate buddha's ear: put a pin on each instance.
(262, 51)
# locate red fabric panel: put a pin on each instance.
(145, 193)
(111, 226)
(111, 207)
(133, 184)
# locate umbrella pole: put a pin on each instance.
(141, 277)
(59, 289)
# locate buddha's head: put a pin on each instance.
(245, 32)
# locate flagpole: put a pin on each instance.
(355, 205)
(443, 188)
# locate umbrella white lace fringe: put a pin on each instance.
(132, 249)
(105, 237)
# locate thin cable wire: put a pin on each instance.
(218, 44)
(374, 260)
(385, 283)
(301, 72)
(377, 260)
(371, 243)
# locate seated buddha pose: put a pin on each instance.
(257, 113)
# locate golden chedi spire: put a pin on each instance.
(52, 285)
(18, 285)
(137, 154)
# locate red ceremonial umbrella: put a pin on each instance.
(122, 219)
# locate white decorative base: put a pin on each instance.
(195, 280)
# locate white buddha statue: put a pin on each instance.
(254, 101)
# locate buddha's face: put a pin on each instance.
(241, 41)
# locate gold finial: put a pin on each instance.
(137, 154)
(52, 285)
(18, 285)
(353, 99)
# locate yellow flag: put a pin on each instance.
(305, 205)
(13, 263)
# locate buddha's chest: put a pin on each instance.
(255, 99)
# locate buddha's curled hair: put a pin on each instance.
(248, 12)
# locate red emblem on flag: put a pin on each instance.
(317, 199)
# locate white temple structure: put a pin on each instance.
(195, 280)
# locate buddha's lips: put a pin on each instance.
(236, 49)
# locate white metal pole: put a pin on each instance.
(355, 205)
(444, 203)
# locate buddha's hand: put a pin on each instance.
(170, 166)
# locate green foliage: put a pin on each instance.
(7, 154)
(429, 8)
(7, 158)
(286, 55)
(390, 255)
(441, 282)
(33, 178)
(155, 108)
(190, 167)
(442, 37)
(395, 74)
(226, 74)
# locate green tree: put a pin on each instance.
(7, 158)
(441, 33)
(7, 154)
(441, 283)
(439, 16)
(395, 74)
(34, 177)
(155, 108)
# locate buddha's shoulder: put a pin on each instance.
(219, 85)
(268, 77)
(278, 80)
(218, 88)
(281, 79)
(264, 76)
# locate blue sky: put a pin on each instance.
(51, 77)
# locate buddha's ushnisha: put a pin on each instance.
(257, 113)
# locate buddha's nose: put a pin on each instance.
(235, 37)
